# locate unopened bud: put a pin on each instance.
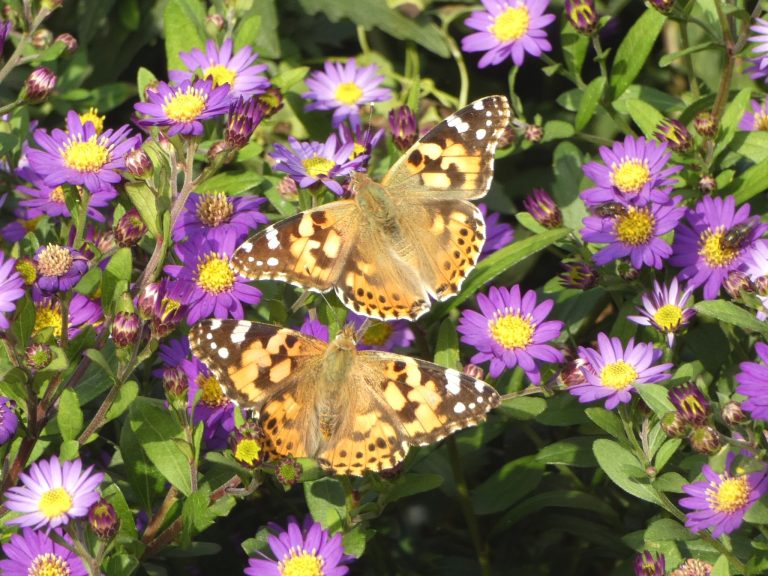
(705, 124)
(138, 163)
(705, 440)
(675, 134)
(543, 208)
(175, 384)
(69, 41)
(103, 519)
(287, 188)
(733, 414)
(737, 283)
(582, 15)
(272, 101)
(214, 23)
(39, 85)
(130, 229)
(533, 133)
(707, 184)
(578, 275)
(402, 124)
(38, 356)
(216, 149)
(674, 425)
(663, 6)
(41, 38)
(288, 471)
(125, 329)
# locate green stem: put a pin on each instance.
(458, 57)
(725, 79)
(693, 82)
(11, 107)
(362, 39)
(629, 431)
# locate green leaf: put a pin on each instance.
(589, 101)
(125, 397)
(575, 47)
(721, 567)
(114, 496)
(668, 59)
(97, 358)
(326, 501)
(158, 433)
(183, 29)
(508, 485)
(758, 513)
(731, 313)
(144, 78)
(667, 450)
(657, 398)
(523, 408)
(752, 145)
(232, 182)
(69, 450)
(729, 123)
(410, 484)
(634, 50)
(117, 272)
(606, 420)
(145, 480)
(354, 540)
(70, 416)
(645, 116)
(575, 451)
(258, 28)
(121, 565)
(447, 353)
(288, 78)
(24, 323)
(749, 183)
(195, 515)
(622, 467)
(89, 282)
(668, 529)
(557, 130)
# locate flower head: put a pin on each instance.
(59, 268)
(402, 124)
(759, 40)
(582, 15)
(720, 501)
(543, 208)
(243, 118)
(510, 330)
(700, 246)
(578, 275)
(11, 288)
(613, 371)
(753, 383)
(666, 309)
(497, 234)
(184, 107)
(508, 29)
(53, 493)
(363, 139)
(32, 553)
(675, 134)
(215, 215)
(247, 444)
(690, 402)
(649, 564)
(103, 519)
(634, 173)
(692, 567)
(9, 421)
(92, 115)
(238, 71)
(82, 312)
(39, 85)
(343, 88)
(757, 120)
(756, 268)
(302, 549)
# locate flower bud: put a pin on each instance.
(663, 6)
(175, 384)
(675, 134)
(138, 163)
(542, 207)
(704, 439)
(705, 124)
(474, 371)
(582, 15)
(533, 133)
(693, 567)
(244, 117)
(578, 275)
(130, 229)
(27, 269)
(690, 402)
(287, 188)
(626, 271)
(649, 564)
(707, 184)
(732, 414)
(125, 329)
(214, 23)
(70, 42)
(288, 471)
(103, 519)
(760, 283)
(39, 85)
(9, 420)
(41, 38)
(247, 445)
(674, 425)
(148, 299)
(737, 283)
(402, 124)
(38, 356)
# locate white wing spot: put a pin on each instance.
(488, 113)
(246, 246)
(471, 405)
(456, 122)
(488, 123)
(459, 408)
(209, 336)
(272, 241)
(224, 353)
(453, 379)
(480, 386)
(259, 263)
(238, 333)
(480, 399)
(272, 262)
(215, 324)
(480, 134)
(251, 258)
(214, 346)
(479, 105)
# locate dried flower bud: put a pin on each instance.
(288, 471)
(130, 229)
(287, 188)
(690, 403)
(272, 101)
(216, 149)
(214, 23)
(707, 184)
(247, 445)
(533, 133)
(175, 384)
(39, 85)
(474, 371)
(737, 283)
(38, 356)
(41, 38)
(103, 519)
(663, 6)
(402, 124)
(582, 15)
(733, 414)
(693, 567)
(705, 124)
(70, 42)
(704, 439)
(125, 329)
(649, 564)
(138, 163)
(674, 425)
(542, 207)
(578, 275)
(675, 134)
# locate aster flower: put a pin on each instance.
(756, 269)
(210, 288)
(343, 88)
(666, 309)
(82, 312)
(11, 289)
(692, 567)
(53, 493)
(402, 124)
(757, 120)
(649, 564)
(719, 502)
(80, 156)
(243, 118)
(759, 68)
(215, 215)
(363, 139)
(675, 134)
(753, 383)
(312, 162)
(690, 403)
(511, 330)
(34, 553)
(497, 234)
(92, 115)
(382, 335)
(238, 71)
(307, 549)
(9, 421)
(184, 107)
(59, 268)
(698, 246)
(634, 172)
(582, 15)
(543, 208)
(508, 29)
(635, 233)
(613, 371)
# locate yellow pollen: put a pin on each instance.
(348, 93)
(168, 306)
(47, 316)
(512, 330)
(731, 496)
(214, 274)
(668, 317)
(57, 195)
(630, 176)
(635, 228)
(212, 394)
(93, 117)
(85, 155)
(54, 261)
(301, 563)
(357, 149)
(55, 502)
(214, 209)
(220, 74)
(185, 106)
(378, 334)
(318, 166)
(617, 375)
(512, 24)
(761, 121)
(48, 564)
(713, 252)
(27, 271)
(270, 100)
(247, 450)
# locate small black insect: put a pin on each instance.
(736, 236)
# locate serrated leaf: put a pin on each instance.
(589, 102)
(183, 29)
(326, 501)
(70, 416)
(634, 50)
(508, 485)
(621, 466)
(731, 313)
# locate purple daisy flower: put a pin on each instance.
(53, 493)
(82, 312)
(382, 335)
(11, 289)
(364, 140)
(753, 383)
(756, 267)
(497, 234)
(315, 328)
(720, 502)
(307, 549)
(9, 420)
(635, 232)
(666, 309)
(215, 215)
(184, 107)
(650, 564)
(757, 120)
(510, 330)
(508, 29)
(759, 68)
(34, 553)
(612, 372)
(634, 173)
(698, 247)
(239, 71)
(59, 268)
(312, 162)
(210, 288)
(80, 156)
(343, 88)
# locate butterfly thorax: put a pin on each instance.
(333, 382)
(374, 201)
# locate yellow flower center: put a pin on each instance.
(714, 253)
(220, 74)
(630, 176)
(635, 228)
(512, 24)
(27, 271)
(185, 106)
(318, 166)
(512, 330)
(212, 394)
(378, 334)
(214, 274)
(55, 502)
(47, 316)
(54, 261)
(731, 496)
(357, 149)
(168, 306)
(301, 563)
(57, 195)
(761, 121)
(214, 209)
(348, 93)
(247, 450)
(668, 317)
(48, 564)
(93, 117)
(85, 155)
(617, 375)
